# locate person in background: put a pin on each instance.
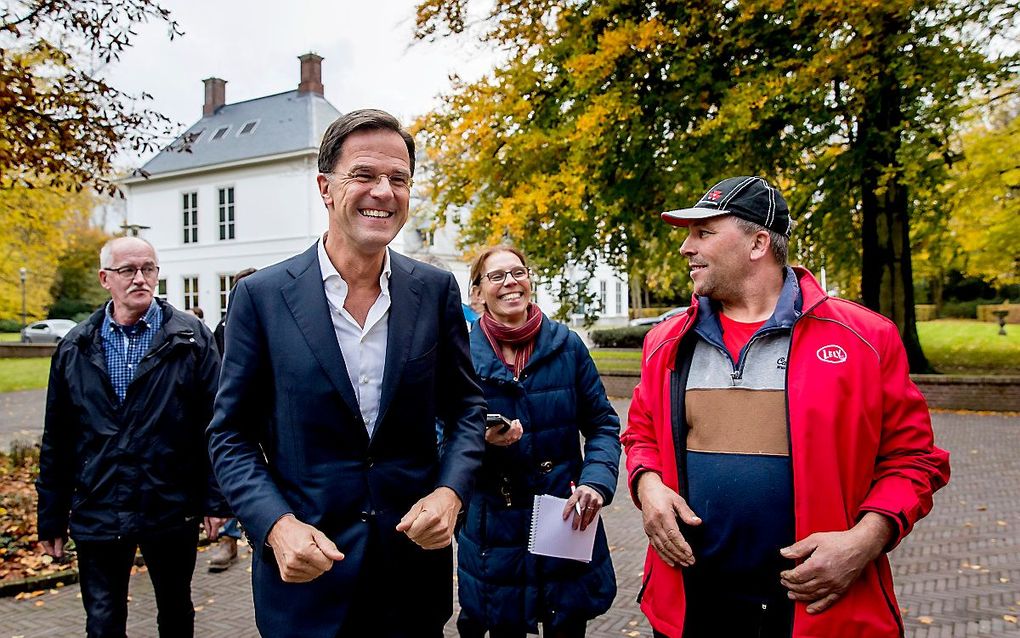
(775, 444)
(225, 553)
(124, 463)
(198, 312)
(540, 375)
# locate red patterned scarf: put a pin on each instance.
(521, 339)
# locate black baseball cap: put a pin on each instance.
(750, 198)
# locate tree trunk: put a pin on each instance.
(887, 284)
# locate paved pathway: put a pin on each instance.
(21, 418)
(958, 574)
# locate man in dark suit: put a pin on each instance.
(339, 361)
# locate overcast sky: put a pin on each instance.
(370, 60)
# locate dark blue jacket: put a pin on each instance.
(135, 467)
(288, 436)
(558, 397)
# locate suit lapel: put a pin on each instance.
(405, 299)
(306, 299)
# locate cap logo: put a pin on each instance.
(714, 196)
(831, 354)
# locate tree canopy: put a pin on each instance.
(606, 113)
(60, 122)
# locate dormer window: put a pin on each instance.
(248, 128)
(220, 132)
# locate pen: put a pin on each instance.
(577, 506)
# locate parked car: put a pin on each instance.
(651, 321)
(49, 331)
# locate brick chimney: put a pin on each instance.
(311, 74)
(215, 95)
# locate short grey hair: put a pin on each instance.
(779, 242)
(106, 252)
(361, 120)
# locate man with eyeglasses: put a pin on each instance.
(339, 362)
(123, 463)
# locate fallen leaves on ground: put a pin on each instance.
(20, 554)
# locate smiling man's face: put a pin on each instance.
(368, 192)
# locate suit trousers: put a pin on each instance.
(373, 612)
(104, 569)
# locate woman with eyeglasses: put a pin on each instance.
(539, 375)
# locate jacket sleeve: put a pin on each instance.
(639, 438)
(599, 424)
(239, 416)
(207, 374)
(55, 484)
(909, 468)
(461, 406)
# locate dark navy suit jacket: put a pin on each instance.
(287, 436)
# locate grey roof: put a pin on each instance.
(285, 122)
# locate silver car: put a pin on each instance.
(49, 331)
(653, 321)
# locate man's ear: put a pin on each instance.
(323, 182)
(103, 279)
(761, 245)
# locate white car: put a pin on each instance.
(49, 331)
(651, 321)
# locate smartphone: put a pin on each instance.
(497, 420)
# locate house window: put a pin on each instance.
(190, 293)
(226, 282)
(619, 298)
(226, 208)
(603, 302)
(189, 209)
(220, 132)
(161, 289)
(248, 128)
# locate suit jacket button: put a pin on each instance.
(545, 467)
(364, 517)
(370, 461)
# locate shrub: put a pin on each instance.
(629, 337)
(10, 325)
(960, 309)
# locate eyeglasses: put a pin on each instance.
(398, 181)
(127, 273)
(497, 277)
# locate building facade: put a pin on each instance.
(238, 190)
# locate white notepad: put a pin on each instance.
(553, 536)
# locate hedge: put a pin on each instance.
(629, 337)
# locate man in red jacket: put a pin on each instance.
(776, 445)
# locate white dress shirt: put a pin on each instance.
(364, 349)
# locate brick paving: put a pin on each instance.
(957, 575)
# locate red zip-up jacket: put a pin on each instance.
(860, 441)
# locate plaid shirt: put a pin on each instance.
(124, 346)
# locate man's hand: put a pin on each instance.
(212, 525)
(589, 501)
(430, 521)
(53, 546)
(660, 508)
(302, 552)
(833, 561)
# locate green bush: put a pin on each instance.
(629, 337)
(10, 325)
(960, 309)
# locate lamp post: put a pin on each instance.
(24, 315)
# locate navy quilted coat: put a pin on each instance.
(558, 399)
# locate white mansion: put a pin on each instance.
(246, 196)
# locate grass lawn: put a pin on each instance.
(24, 374)
(953, 346)
(10, 336)
(959, 346)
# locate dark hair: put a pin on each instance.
(364, 119)
(241, 274)
(475, 273)
(195, 310)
